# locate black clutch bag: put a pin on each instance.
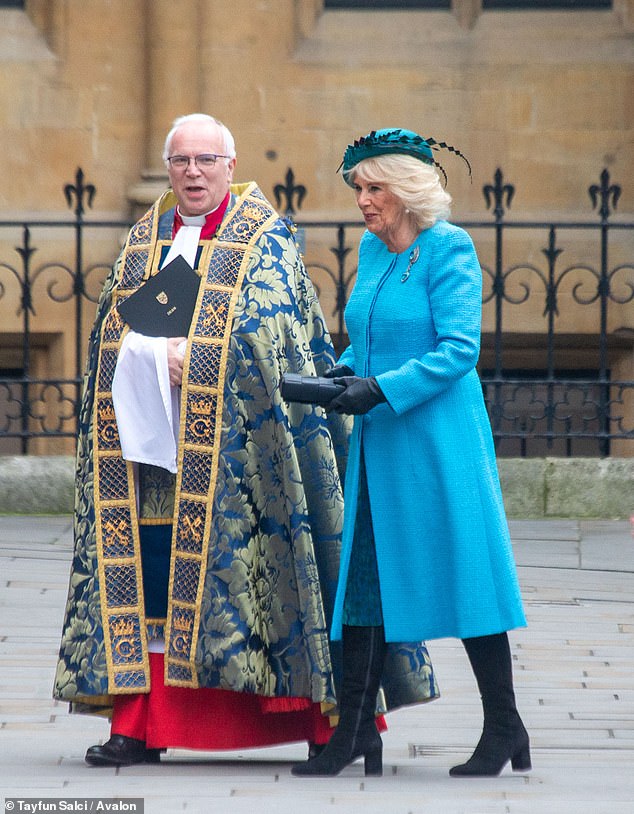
(164, 304)
(309, 389)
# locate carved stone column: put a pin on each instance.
(625, 11)
(173, 84)
(466, 11)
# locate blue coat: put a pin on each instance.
(443, 550)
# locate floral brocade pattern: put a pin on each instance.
(257, 602)
(278, 495)
(81, 674)
(262, 626)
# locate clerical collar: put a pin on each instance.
(195, 220)
(209, 221)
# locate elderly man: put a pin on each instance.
(208, 512)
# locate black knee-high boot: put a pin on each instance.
(504, 736)
(356, 734)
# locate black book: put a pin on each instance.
(164, 304)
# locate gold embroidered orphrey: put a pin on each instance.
(223, 262)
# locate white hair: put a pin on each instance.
(229, 142)
(415, 183)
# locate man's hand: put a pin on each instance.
(175, 359)
(361, 394)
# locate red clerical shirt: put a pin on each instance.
(212, 220)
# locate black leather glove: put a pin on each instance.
(338, 370)
(361, 394)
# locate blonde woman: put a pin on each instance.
(426, 551)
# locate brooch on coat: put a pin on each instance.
(413, 257)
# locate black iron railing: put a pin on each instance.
(558, 336)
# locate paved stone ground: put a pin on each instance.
(574, 671)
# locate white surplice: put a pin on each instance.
(146, 407)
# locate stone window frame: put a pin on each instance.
(387, 5)
(547, 5)
(468, 11)
(498, 5)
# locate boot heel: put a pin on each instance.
(374, 763)
(521, 760)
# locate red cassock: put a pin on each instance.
(208, 719)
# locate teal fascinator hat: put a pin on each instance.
(395, 140)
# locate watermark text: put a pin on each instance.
(35, 805)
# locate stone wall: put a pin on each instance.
(545, 95)
(532, 488)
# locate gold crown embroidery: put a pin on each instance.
(162, 297)
(108, 431)
(183, 624)
(202, 407)
(106, 413)
(123, 628)
(251, 212)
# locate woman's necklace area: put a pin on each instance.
(413, 257)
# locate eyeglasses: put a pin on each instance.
(205, 161)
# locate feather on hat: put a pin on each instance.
(395, 140)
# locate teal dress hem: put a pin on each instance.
(362, 605)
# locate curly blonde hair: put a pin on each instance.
(415, 183)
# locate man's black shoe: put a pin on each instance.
(315, 749)
(122, 751)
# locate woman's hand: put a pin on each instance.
(360, 396)
(175, 359)
(338, 370)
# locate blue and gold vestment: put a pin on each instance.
(256, 508)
